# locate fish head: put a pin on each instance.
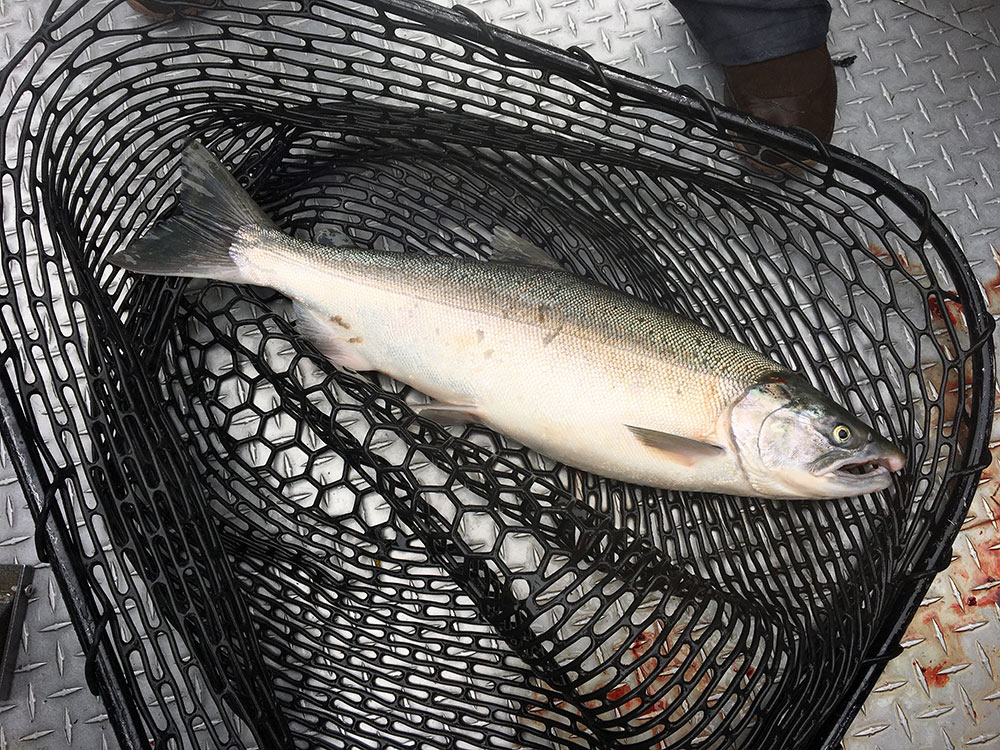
(795, 442)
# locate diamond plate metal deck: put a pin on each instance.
(50, 706)
(922, 100)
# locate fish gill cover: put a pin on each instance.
(261, 550)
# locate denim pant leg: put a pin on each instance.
(739, 32)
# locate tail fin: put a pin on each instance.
(195, 241)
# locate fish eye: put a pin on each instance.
(841, 434)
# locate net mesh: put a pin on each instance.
(274, 553)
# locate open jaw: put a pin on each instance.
(862, 469)
(867, 468)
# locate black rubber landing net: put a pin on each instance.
(262, 551)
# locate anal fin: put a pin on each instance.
(323, 335)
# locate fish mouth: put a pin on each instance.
(866, 469)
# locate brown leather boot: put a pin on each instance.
(793, 90)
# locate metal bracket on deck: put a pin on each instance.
(14, 583)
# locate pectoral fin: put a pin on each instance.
(443, 413)
(682, 450)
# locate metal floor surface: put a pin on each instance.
(922, 100)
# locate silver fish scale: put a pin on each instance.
(561, 303)
(922, 101)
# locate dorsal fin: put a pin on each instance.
(511, 248)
